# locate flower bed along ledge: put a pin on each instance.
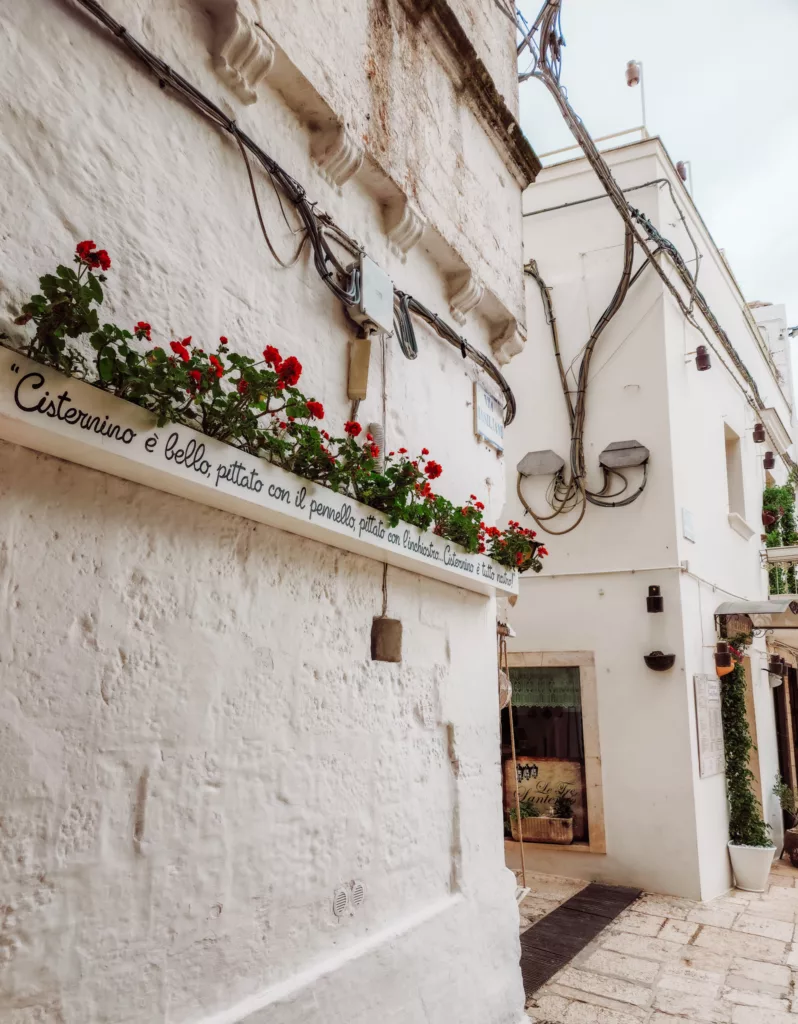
(136, 415)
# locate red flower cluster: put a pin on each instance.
(219, 369)
(94, 260)
(272, 356)
(352, 428)
(316, 409)
(242, 387)
(196, 376)
(433, 469)
(179, 348)
(289, 371)
(143, 330)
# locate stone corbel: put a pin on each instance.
(508, 343)
(467, 296)
(404, 225)
(242, 52)
(338, 155)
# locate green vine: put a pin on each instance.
(780, 502)
(746, 827)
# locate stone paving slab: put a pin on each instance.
(664, 960)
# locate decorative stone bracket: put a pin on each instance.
(338, 155)
(404, 224)
(508, 343)
(468, 295)
(43, 410)
(242, 52)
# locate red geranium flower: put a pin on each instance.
(479, 505)
(374, 449)
(180, 349)
(316, 410)
(222, 340)
(433, 469)
(272, 356)
(403, 451)
(195, 375)
(143, 330)
(425, 451)
(352, 428)
(282, 425)
(216, 365)
(242, 387)
(84, 248)
(290, 371)
(542, 551)
(473, 497)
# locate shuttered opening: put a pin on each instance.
(556, 939)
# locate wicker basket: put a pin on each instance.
(545, 830)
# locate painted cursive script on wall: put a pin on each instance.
(60, 408)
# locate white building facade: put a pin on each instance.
(654, 798)
(199, 760)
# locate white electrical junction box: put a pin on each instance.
(375, 308)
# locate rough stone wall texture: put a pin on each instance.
(195, 748)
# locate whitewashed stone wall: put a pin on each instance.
(195, 748)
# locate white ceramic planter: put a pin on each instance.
(751, 866)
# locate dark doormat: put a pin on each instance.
(555, 940)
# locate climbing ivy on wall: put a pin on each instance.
(746, 827)
(780, 502)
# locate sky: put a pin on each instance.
(721, 82)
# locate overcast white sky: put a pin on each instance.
(721, 90)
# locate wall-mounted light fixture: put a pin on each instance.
(759, 433)
(658, 661)
(655, 601)
(702, 360)
(723, 658)
(775, 665)
(769, 460)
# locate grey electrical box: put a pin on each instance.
(624, 455)
(544, 463)
(375, 307)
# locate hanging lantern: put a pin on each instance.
(702, 360)
(632, 73)
(655, 601)
(775, 664)
(769, 460)
(723, 658)
(759, 433)
(768, 519)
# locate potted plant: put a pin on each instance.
(786, 796)
(555, 827)
(750, 847)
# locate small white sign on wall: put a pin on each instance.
(709, 724)
(488, 418)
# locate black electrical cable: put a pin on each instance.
(343, 282)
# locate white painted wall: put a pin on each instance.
(195, 748)
(666, 828)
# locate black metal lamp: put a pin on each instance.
(702, 360)
(655, 601)
(769, 460)
(759, 433)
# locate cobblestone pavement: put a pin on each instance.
(666, 960)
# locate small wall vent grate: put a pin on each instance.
(340, 901)
(358, 894)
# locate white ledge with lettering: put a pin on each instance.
(42, 409)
